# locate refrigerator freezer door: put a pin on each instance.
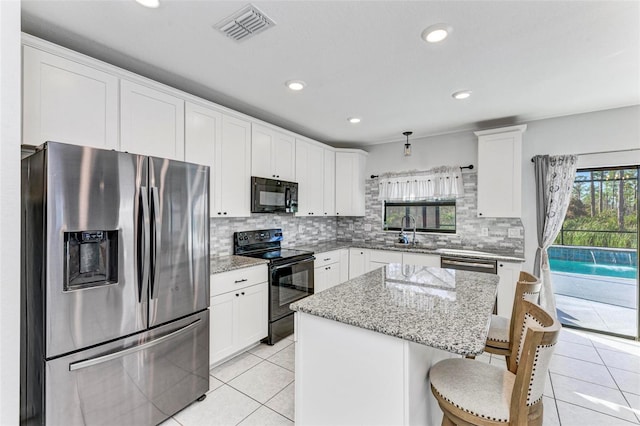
(142, 379)
(179, 199)
(93, 283)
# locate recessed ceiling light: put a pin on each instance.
(295, 85)
(462, 94)
(353, 120)
(436, 33)
(149, 3)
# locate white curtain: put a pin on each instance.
(440, 182)
(554, 182)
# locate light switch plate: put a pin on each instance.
(350, 227)
(300, 229)
(484, 232)
(367, 227)
(513, 233)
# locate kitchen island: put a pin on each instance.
(364, 347)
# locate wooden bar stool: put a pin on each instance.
(501, 328)
(472, 392)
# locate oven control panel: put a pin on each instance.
(260, 236)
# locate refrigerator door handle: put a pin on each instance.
(119, 354)
(157, 231)
(143, 252)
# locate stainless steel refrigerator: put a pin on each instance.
(115, 286)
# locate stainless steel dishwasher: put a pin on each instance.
(471, 264)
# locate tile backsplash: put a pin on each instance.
(468, 225)
(304, 230)
(297, 230)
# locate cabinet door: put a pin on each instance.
(261, 146)
(332, 275)
(421, 259)
(500, 174)
(358, 262)
(509, 273)
(202, 134)
(65, 101)
(310, 178)
(320, 279)
(221, 328)
(151, 122)
(350, 191)
(344, 265)
(284, 157)
(329, 189)
(251, 315)
(233, 171)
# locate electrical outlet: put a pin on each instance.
(300, 229)
(367, 227)
(350, 227)
(513, 233)
(484, 232)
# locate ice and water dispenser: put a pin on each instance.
(91, 259)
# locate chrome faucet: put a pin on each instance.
(408, 222)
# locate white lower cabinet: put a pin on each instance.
(509, 273)
(358, 262)
(327, 270)
(344, 265)
(238, 311)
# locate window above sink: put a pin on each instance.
(431, 216)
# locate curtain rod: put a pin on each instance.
(470, 167)
(599, 152)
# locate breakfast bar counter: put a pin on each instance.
(364, 347)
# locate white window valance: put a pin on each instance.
(436, 183)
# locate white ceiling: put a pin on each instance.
(523, 60)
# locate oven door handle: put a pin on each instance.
(295, 262)
(287, 198)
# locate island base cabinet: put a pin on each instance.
(509, 274)
(351, 376)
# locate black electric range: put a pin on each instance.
(290, 275)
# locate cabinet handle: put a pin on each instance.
(242, 293)
(240, 281)
(327, 268)
(328, 258)
(224, 213)
(501, 265)
(479, 214)
(237, 295)
(219, 212)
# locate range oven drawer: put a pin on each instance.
(469, 264)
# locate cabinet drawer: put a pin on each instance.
(326, 258)
(232, 280)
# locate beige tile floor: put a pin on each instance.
(593, 380)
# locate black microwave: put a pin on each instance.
(273, 196)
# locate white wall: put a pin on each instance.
(456, 149)
(9, 211)
(610, 130)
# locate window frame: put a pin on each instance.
(424, 204)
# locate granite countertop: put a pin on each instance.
(324, 246)
(229, 263)
(442, 308)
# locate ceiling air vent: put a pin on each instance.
(245, 23)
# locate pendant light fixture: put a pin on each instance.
(407, 146)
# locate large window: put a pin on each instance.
(430, 216)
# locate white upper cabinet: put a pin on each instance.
(500, 172)
(65, 101)
(329, 196)
(272, 154)
(350, 191)
(310, 178)
(203, 130)
(222, 143)
(151, 122)
(233, 171)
